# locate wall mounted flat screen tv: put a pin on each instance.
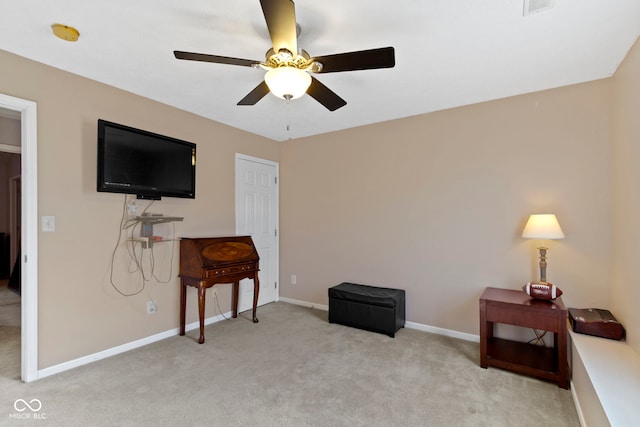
(146, 164)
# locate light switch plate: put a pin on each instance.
(48, 223)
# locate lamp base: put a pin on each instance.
(543, 263)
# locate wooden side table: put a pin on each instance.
(513, 307)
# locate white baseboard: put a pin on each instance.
(410, 325)
(56, 369)
(576, 402)
(442, 331)
(304, 303)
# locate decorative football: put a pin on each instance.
(542, 290)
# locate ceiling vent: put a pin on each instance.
(532, 7)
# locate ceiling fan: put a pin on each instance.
(288, 68)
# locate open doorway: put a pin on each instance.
(24, 189)
(10, 235)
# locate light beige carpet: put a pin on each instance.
(9, 334)
(293, 369)
(7, 296)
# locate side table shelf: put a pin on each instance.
(516, 308)
(534, 360)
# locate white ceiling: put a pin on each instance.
(448, 52)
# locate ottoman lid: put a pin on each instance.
(384, 297)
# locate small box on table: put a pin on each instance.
(597, 322)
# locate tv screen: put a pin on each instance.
(143, 163)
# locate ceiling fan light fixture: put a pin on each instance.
(287, 82)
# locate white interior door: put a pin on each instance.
(257, 216)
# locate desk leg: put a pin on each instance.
(202, 292)
(256, 293)
(234, 299)
(183, 304)
(484, 334)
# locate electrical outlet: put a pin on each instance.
(294, 279)
(151, 307)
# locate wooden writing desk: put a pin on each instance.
(207, 261)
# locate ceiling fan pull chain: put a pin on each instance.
(289, 116)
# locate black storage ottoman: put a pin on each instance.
(365, 307)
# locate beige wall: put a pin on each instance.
(435, 204)
(9, 165)
(79, 312)
(626, 190)
(9, 168)
(9, 130)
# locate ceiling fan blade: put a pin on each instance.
(325, 96)
(361, 60)
(255, 95)
(190, 56)
(280, 16)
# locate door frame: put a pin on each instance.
(276, 165)
(29, 236)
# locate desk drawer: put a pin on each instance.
(228, 271)
(524, 317)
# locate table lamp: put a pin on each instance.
(543, 226)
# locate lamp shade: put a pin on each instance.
(287, 82)
(542, 226)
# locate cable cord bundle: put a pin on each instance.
(128, 227)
